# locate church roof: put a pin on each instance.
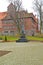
(3, 15)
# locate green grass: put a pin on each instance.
(34, 38)
(14, 38)
(10, 38)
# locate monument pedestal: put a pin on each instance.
(22, 39)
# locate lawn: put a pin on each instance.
(9, 38)
(30, 53)
(34, 38)
(14, 38)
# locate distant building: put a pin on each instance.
(28, 22)
(7, 25)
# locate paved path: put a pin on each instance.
(30, 53)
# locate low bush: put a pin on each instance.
(5, 38)
(0, 38)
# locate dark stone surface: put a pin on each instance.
(22, 39)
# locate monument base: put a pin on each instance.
(22, 39)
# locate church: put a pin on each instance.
(27, 22)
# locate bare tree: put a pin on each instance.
(37, 5)
(17, 4)
(18, 7)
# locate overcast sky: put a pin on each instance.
(27, 4)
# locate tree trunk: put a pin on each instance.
(40, 20)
